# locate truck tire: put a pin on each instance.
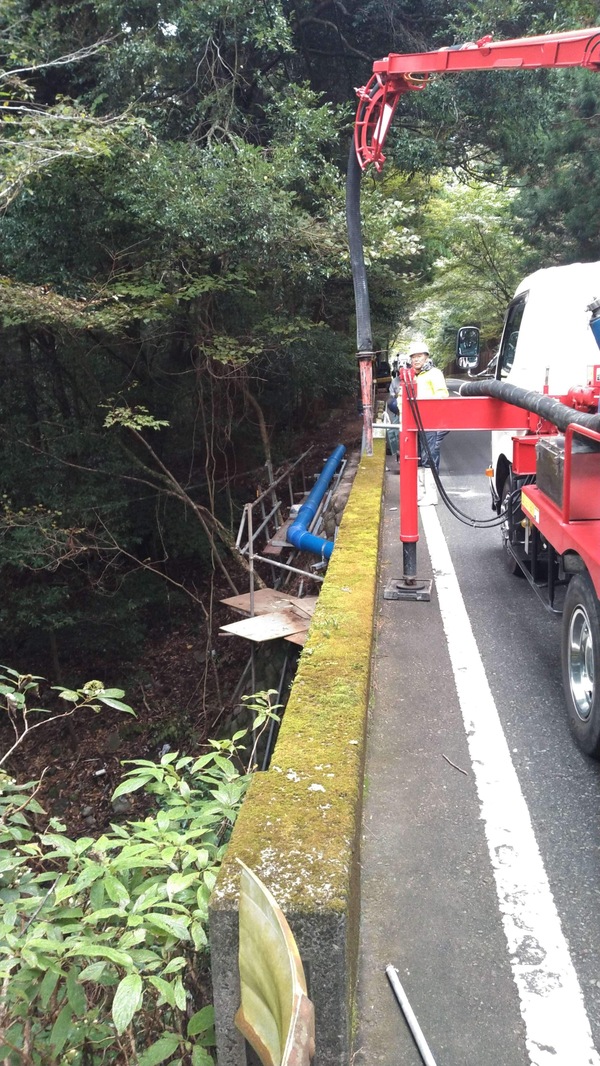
(580, 662)
(510, 562)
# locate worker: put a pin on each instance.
(430, 385)
(393, 435)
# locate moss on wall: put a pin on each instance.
(300, 822)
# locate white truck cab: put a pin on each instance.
(546, 341)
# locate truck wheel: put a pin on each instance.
(580, 659)
(509, 560)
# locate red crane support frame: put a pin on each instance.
(392, 77)
(397, 74)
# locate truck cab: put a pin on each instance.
(547, 344)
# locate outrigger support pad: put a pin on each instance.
(408, 588)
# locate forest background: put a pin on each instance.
(176, 318)
(175, 293)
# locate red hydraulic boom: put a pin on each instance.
(397, 74)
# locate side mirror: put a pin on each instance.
(467, 347)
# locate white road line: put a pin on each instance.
(557, 1026)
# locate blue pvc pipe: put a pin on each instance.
(298, 534)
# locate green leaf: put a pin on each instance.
(93, 972)
(131, 784)
(49, 982)
(92, 951)
(63, 845)
(180, 995)
(201, 1057)
(115, 889)
(203, 761)
(75, 993)
(61, 1028)
(199, 936)
(163, 821)
(117, 705)
(169, 925)
(161, 1050)
(165, 988)
(210, 879)
(67, 694)
(127, 1000)
(179, 882)
(201, 1021)
(174, 965)
(102, 914)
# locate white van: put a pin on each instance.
(546, 341)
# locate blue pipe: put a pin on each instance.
(298, 534)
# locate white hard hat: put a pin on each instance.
(417, 347)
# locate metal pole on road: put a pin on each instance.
(415, 1028)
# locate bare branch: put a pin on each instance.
(60, 61)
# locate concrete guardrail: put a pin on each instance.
(299, 827)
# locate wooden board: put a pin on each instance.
(298, 638)
(270, 626)
(268, 600)
(279, 540)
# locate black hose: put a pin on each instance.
(467, 520)
(551, 410)
(364, 335)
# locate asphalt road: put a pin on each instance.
(435, 904)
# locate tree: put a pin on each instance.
(192, 266)
(559, 203)
(477, 262)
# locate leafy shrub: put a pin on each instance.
(103, 943)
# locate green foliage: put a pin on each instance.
(102, 942)
(16, 689)
(140, 418)
(477, 261)
(558, 208)
(265, 714)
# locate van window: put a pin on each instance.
(510, 335)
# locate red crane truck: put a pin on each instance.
(546, 474)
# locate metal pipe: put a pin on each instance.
(273, 723)
(285, 566)
(298, 534)
(283, 476)
(251, 558)
(415, 1028)
(409, 562)
(256, 532)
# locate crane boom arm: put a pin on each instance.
(397, 74)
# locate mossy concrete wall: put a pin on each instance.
(299, 827)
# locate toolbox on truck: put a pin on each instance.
(585, 474)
